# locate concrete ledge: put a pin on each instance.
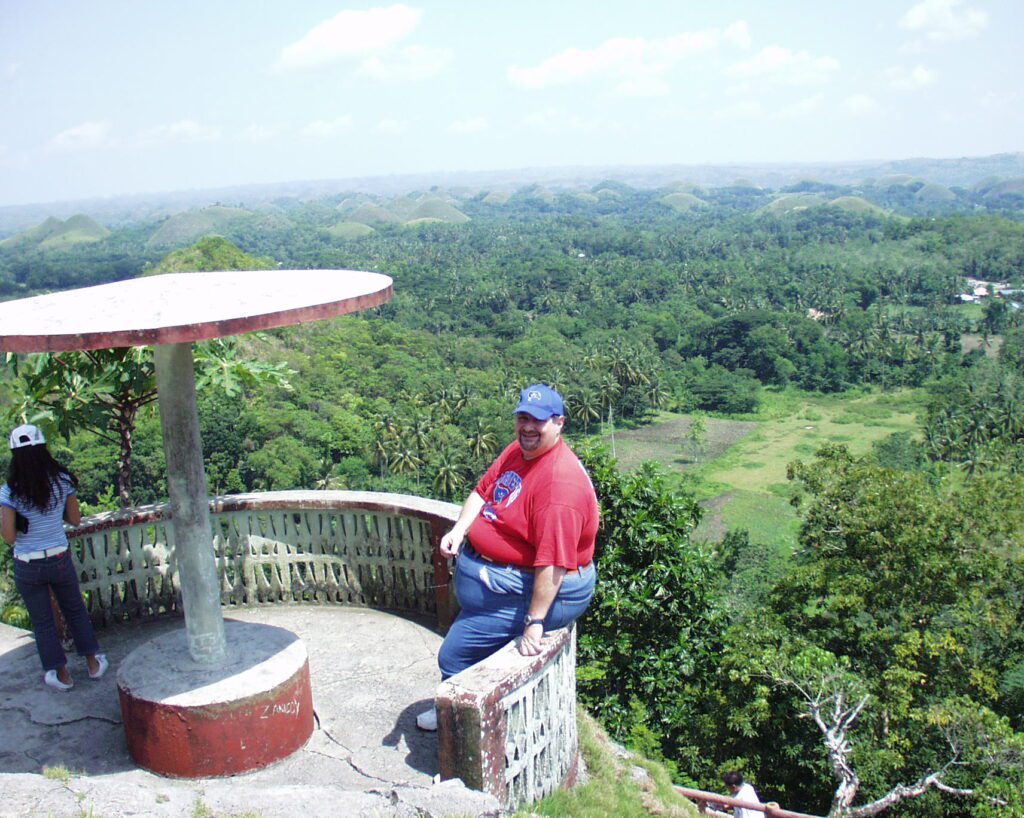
(507, 725)
(398, 504)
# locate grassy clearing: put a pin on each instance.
(667, 442)
(741, 473)
(758, 462)
(769, 519)
(971, 341)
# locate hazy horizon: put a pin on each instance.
(119, 99)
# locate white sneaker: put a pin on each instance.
(50, 678)
(101, 659)
(427, 720)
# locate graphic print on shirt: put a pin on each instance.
(506, 490)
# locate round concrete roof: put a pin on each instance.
(181, 307)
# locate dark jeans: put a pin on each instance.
(34, 581)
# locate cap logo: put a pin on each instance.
(535, 395)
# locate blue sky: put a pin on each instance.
(104, 97)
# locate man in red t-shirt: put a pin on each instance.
(531, 523)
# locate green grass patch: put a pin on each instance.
(767, 516)
(610, 789)
(740, 472)
(778, 442)
(59, 773)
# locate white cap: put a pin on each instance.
(26, 435)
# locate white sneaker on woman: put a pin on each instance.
(427, 720)
(51, 679)
(101, 660)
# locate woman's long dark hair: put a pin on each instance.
(34, 474)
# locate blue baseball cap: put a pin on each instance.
(541, 401)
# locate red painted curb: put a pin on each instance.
(221, 739)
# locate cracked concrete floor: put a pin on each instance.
(372, 672)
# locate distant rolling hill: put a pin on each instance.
(187, 228)
(855, 204)
(1008, 187)
(54, 234)
(934, 193)
(683, 201)
(350, 230)
(793, 203)
(437, 210)
(371, 214)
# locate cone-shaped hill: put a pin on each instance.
(855, 204)
(350, 230)
(54, 234)
(683, 201)
(372, 214)
(437, 210)
(187, 228)
(793, 203)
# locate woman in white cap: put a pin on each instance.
(37, 500)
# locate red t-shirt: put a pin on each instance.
(537, 512)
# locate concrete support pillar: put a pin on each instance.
(190, 510)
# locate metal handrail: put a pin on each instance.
(706, 800)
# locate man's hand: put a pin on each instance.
(529, 645)
(451, 542)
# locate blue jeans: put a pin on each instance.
(34, 580)
(494, 600)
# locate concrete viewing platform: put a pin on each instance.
(371, 673)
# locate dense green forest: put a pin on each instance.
(899, 615)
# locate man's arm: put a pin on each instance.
(547, 580)
(451, 541)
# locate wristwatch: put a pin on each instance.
(533, 620)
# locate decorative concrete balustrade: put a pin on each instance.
(507, 726)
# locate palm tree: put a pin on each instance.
(406, 460)
(448, 480)
(420, 431)
(482, 440)
(585, 407)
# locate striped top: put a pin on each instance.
(45, 528)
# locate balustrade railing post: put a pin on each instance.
(442, 576)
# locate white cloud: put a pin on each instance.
(745, 109)
(474, 124)
(351, 34)
(326, 129)
(903, 79)
(258, 133)
(1002, 101)
(184, 130)
(738, 34)
(636, 65)
(942, 20)
(86, 136)
(859, 104)
(777, 64)
(802, 107)
(392, 127)
(553, 119)
(416, 62)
